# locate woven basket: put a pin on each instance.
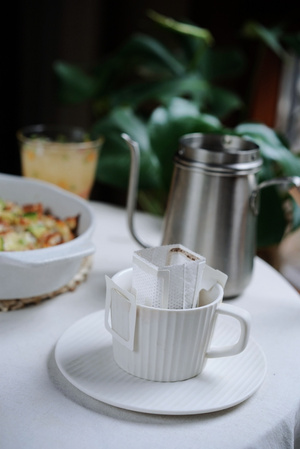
(15, 304)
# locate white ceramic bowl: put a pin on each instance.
(25, 274)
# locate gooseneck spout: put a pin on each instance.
(133, 186)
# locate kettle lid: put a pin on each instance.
(217, 152)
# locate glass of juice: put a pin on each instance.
(62, 155)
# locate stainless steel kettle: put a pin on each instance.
(213, 202)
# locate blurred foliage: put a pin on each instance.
(156, 93)
(144, 72)
(278, 38)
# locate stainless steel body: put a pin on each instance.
(208, 206)
(213, 202)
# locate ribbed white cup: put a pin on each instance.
(166, 344)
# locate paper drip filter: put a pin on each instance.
(167, 277)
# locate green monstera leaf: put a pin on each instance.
(168, 124)
(278, 161)
(75, 85)
(157, 137)
(146, 71)
(114, 164)
(272, 148)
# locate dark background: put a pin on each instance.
(82, 32)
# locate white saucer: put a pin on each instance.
(84, 356)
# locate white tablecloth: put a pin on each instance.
(40, 409)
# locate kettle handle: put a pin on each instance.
(133, 186)
(291, 182)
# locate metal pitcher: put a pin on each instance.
(213, 202)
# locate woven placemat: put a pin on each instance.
(14, 304)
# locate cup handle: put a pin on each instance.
(244, 318)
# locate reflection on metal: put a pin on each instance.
(288, 106)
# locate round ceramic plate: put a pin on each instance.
(84, 356)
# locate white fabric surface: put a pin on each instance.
(40, 409)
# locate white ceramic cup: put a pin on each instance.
(166, 344)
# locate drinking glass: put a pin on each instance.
(62, 155)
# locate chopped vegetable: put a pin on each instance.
(31, 227)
